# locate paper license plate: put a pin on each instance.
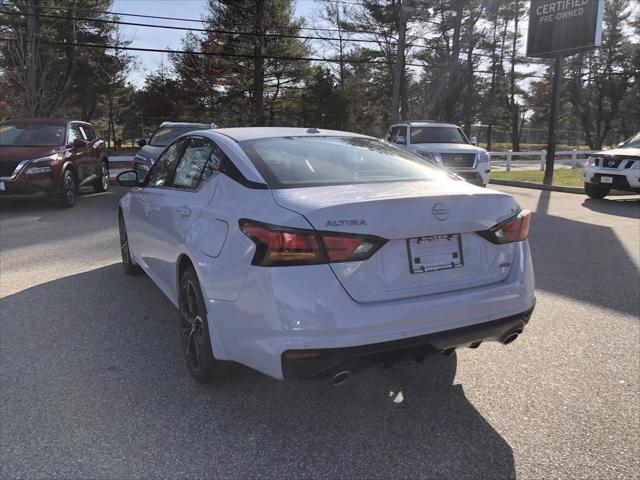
(606, 179)
(435, 252)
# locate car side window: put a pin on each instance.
(161, 172)
(397, 135)
(195, 165)
(75, 132)
(88, 132)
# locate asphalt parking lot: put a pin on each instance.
(92, 382)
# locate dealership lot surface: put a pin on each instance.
(93, 385)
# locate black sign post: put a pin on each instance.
(558, 28)
(553, 120)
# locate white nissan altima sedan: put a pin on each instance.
(315, 253)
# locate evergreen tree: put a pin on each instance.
(601, 79)
(44, 67)
(246, 85)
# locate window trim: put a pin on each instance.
(227, 168)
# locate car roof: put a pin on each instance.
(45, 121)
(424, 123)
(253, 133)
(188, 124)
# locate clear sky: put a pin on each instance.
(169, 39)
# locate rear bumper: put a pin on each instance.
(306, 308)
(299, 365)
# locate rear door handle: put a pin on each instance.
(184, 211)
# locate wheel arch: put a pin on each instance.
(69, 165)
(184, 262)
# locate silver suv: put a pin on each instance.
(445, 144)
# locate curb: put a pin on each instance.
(538, 186)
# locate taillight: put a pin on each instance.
(514, 229)
(282, 246)
(349, 248)
(276, 246)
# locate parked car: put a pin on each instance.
(445, 144)
(314, 254)
(166, 133)
(44, 156)
(617, 169)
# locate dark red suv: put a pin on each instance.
(52, 157)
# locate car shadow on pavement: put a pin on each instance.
(42, 221)
(622, 207)
(95, 386)
(16, 205)
(583, 261)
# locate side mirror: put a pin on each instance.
(473, 140)
(128, 178)
(77, 143)
(400, 140)
(142, 142)
(621, 144)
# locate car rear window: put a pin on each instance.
(31, 135)
(164, 136)
(291, 162)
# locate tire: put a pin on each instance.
(194, 331)
(595, 191)
(102, 182)
(130, 267)
(68, 190)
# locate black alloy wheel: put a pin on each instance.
(68, 189)
(130, 267)
(102, 183)
(194, 330)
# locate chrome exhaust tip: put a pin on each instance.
(340, 377)
(510, 337)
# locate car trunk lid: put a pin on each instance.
(427, 224)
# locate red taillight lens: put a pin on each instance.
(350, 248)
(514, 229)
(275, 246)
(281, 246)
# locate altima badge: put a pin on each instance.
(440, 211)
(343, 223)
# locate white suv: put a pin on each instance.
(617, 169)
(445, 144)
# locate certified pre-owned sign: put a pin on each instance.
(563, 27)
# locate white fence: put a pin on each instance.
(575, 158)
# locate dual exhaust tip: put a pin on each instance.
(341, 377)
(511, 336)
